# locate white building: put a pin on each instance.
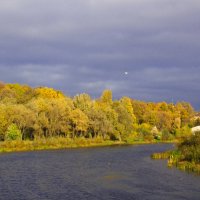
(195, 129)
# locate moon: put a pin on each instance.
(126, 73)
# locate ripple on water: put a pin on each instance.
(124, 172)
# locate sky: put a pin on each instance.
(145, 49)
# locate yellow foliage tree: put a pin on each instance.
(79, 122)
(45, 92)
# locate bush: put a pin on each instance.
(166, 135)
(13, 133)
(145, 131)
(183, 133)
(190, 149)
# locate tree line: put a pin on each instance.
(28, 113)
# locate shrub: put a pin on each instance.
(13, 133)
(145, 131)
(190, 149)
(183, 133)
(166, 135)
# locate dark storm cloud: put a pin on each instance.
(86, 46)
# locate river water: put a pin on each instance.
(120, 172)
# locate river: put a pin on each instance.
(103, 173)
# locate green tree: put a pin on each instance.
(13, 133)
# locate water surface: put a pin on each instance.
(122, 172)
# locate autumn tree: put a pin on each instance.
(186, 112)
(8, 95)
(125, 120)
(126, 102)
(79, 122)
(140, 109)
(4, 121)
(2, 85)
(106, 97)
(46, 112)
(23, 118)
(45, 92)
(164, 120)
(52, 116)
(83, 102)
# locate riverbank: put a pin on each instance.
(175, 161)
(186, 157)
(64, 143)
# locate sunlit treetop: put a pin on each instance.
(49, 93)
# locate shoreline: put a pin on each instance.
(173, 161)
(66, 143)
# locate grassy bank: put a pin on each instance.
(64, 143)
(186, 157)
(177, 162)
(163, 155)
(188, 166)
(53, 143)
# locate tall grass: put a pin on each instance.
(53, 143)
(186, 156)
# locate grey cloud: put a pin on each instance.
(86, 46)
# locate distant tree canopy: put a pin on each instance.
(29, 113)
